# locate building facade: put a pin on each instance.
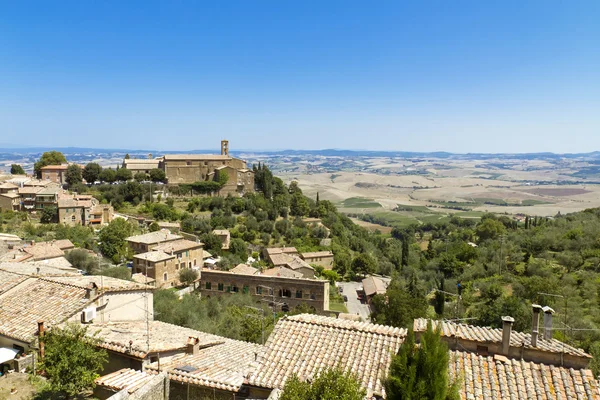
(55, 173)
(282, 292)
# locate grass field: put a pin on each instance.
(359, 202)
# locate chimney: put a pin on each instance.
(41, 332)
(91, 291)
(193, 346)
(506, 330)
(535, 324)
(548, 322)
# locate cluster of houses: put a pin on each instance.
(150, 359)
(178, 362)
(33, 195)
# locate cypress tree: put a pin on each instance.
(405, 251)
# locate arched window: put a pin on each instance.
(165, 276)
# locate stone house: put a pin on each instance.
(322, 258)
(28, 197)
(144, 243)
(47, 197)
(165, 261)
(55, 173)
(285, 292)
(10, 201)
(141, 165)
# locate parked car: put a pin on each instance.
(341, 289)
(345, 299)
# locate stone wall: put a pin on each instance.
(290, 291)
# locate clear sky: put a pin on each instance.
(460, 76)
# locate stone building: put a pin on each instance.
(55, 173)
(144, 243)
(322, 258)
(164, 262)
(83, 210)
(284, 292)
(141, 165)
(192, 168)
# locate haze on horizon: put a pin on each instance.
(465, 76)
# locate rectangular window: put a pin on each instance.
(220, 287)
(258, 290)
(235, 289)
(187, 253)
(298, 294)
(208, 286)
(228, 289)
(245, 289)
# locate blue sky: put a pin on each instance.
(460, 76)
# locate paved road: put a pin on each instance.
(354, 305)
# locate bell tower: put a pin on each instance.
(224, 147)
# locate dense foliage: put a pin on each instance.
(16, 169)
(421, 372)
(330, 384)
(71, 361)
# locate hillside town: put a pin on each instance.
(291, 289)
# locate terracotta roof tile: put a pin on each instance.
(488, 378)
(154, 237)
(224, 366)
(314, 254)
(487, 334)
(244, 269)
(373, 285)
(115, 336)
(125, 378)
(38, 299)
(304, 344)
(178, 245)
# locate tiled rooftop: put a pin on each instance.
(154, 237)
(64, 244)
(315, 254)
(244, 269)
(487, 334)
(9, 280)
(373, 285)
(38, 299)
(29, 190)
(154, 256)
(115, 336)
(43, 250)
(178, 245)
(280, 250)
(296, 262)
(39, 268)
(282, 272)
(125, 378)
(104, 283)
(223, 367)
(304, 344)
(141, 278)
(488, 378)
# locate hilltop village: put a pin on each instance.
(199, 276)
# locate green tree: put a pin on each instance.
(154, 227)
(112, 239)
(124, 174)
(187, 276)
(48, 158)
(239, 248)
(122, 272)
(140, 176)
(364, 264)
(330, 384)
(127, 157)
(157, 175)
(421, 372)
(49, 215)
(108, 175)
(405, 251)
(73, 175)
(299, 205)
(212, 244)
(16, 169)
(82, 260)
(72, 360)
(91, 172)
(399, 306)
(489, 228)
